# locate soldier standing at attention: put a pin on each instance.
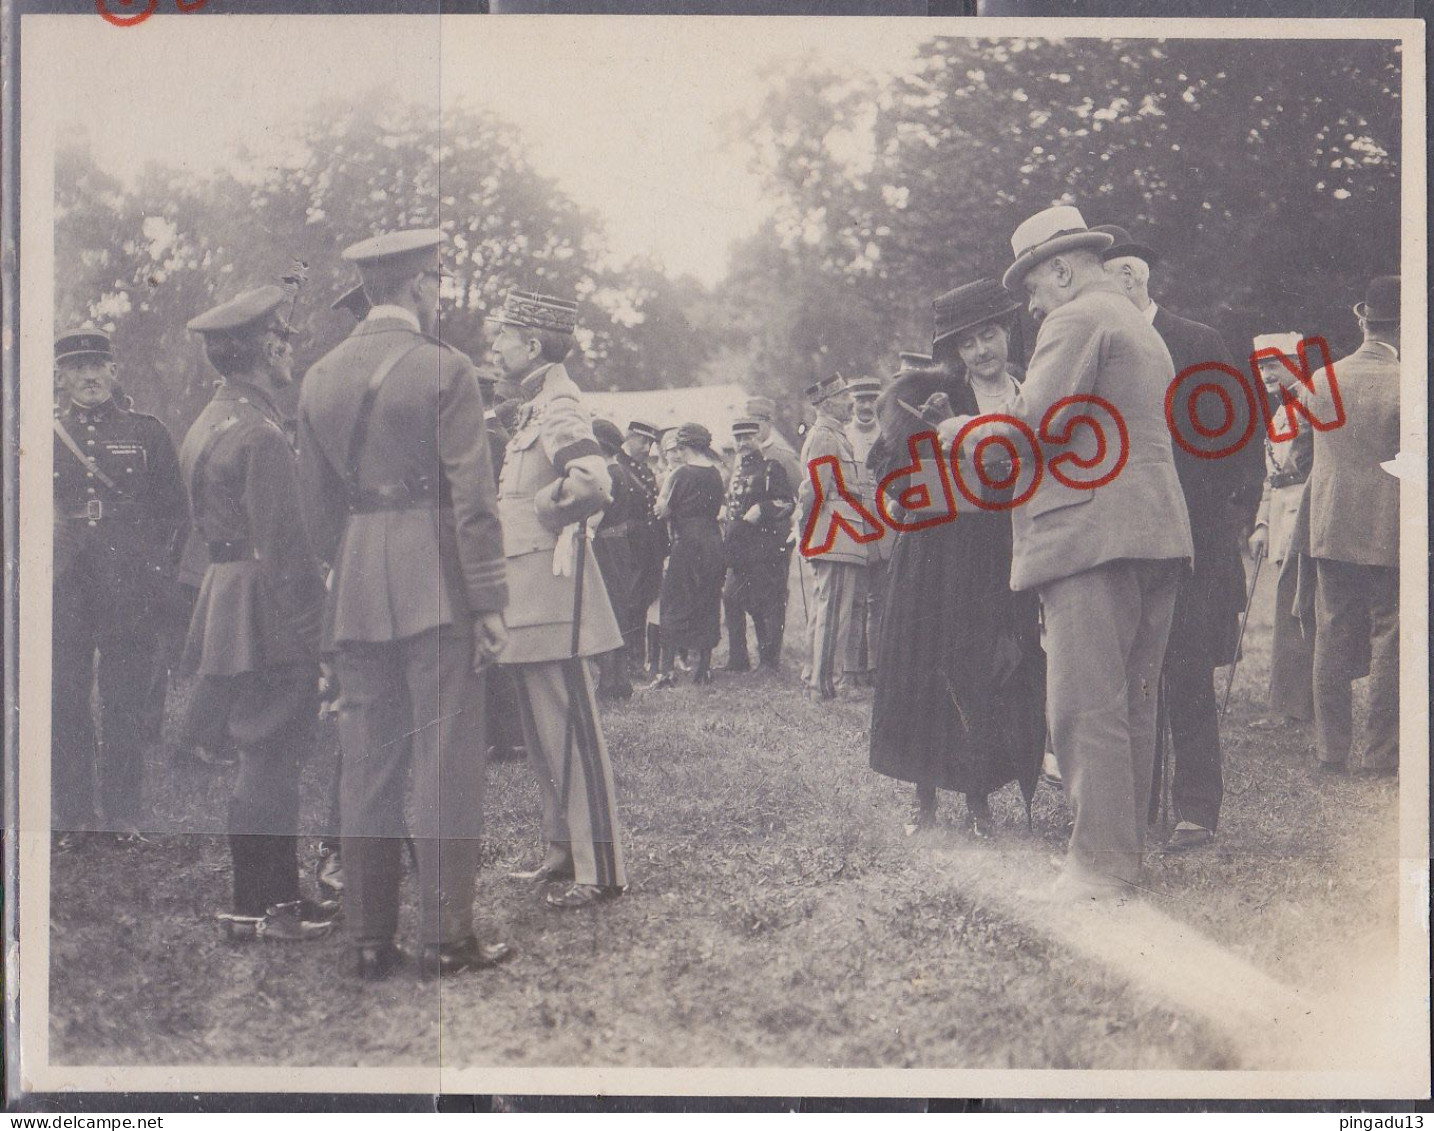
(397, 487)
(119, 507)
(836, 572)
(554, 479)
(757, 523)
(863, 431)
(254, 638)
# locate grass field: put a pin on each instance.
(778, 916)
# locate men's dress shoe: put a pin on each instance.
(301, 920)
(329, 872)
(665, 680)
(454, 958)
(544, 872)
(376, 962)
(1187, 836)
(583, 895)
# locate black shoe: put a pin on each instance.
(301, 920)
(737, 668)
(702, 676)
(329, 872)
(377, 962)
(665, 680)
(454, 958)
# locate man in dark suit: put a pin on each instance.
(254, 638)
(398, 493)
(1221, 496)
(1354, 540)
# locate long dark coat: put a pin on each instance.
(1212, 598)
(961, 700)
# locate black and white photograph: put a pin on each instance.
(863, 556)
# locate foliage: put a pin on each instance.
(145, 260)
(1266, 173)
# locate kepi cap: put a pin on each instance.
(746, 427)
(826, 388)
(87, 341)
(864, 386)
(1047, 233)
(761, 408)
(532, 311)
(253, 310)
(645, 430)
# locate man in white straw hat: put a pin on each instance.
(1106, 561)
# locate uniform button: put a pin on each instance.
(89, 475)
(89, 490)
(89, 427)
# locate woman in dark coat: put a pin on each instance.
(690, 608)
(961, 700)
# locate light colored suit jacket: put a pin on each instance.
(1099, 345)
(1354, 503)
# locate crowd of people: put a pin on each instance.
(460, 562)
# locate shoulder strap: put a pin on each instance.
(89, 465)
(365, 410)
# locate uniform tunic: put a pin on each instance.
(757, 555)
(254, 636)
(115, 549)
(554, 479)
(408, 519)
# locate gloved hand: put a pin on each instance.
(565, 553)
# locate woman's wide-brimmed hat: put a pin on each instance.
(970, 306)
(1049, 233)
(1381, 300)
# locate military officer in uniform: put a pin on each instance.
(254, 637)
(863, 431)
(757, 523)
(648, 536)
(554, 480)
(835, 573)
(398, 494)
(119, 510)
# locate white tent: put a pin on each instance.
(715, 406)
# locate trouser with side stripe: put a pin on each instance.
(569, 756)
(835, 586)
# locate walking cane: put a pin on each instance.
(1244, 620)
(569, 733)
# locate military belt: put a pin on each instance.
(96, 510)
(1287, 478)
(235, 550)
(396, 497)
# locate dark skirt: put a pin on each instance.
(960, 702)
(691, 608)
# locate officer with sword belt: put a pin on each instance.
(555, 480)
